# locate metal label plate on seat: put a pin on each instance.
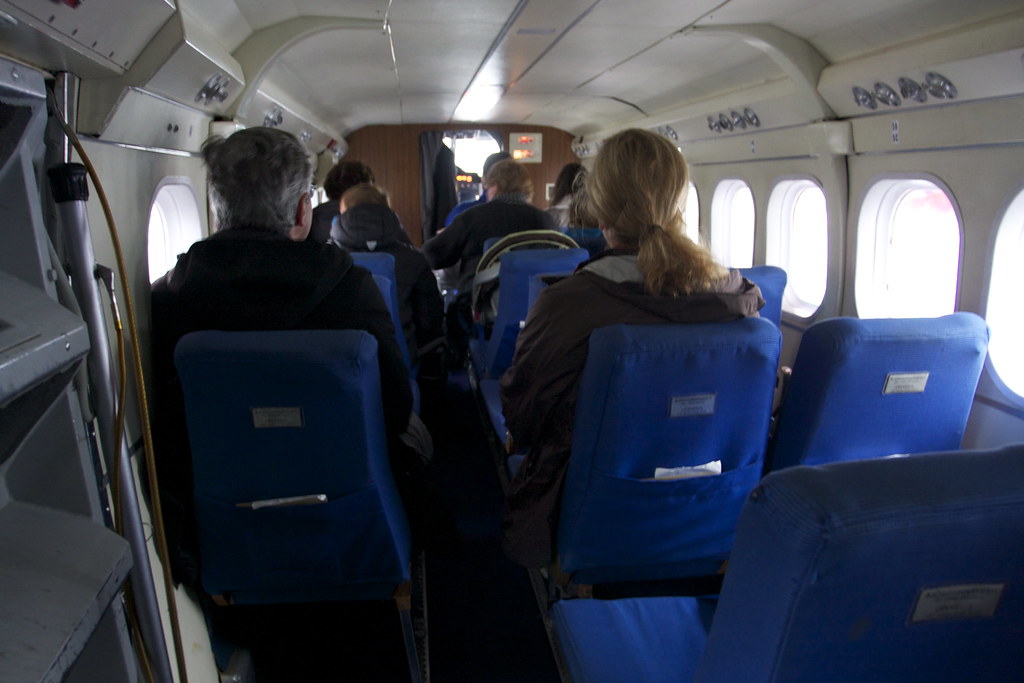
(963, 601)
(694, 405)
(905, 383)
(277, 417)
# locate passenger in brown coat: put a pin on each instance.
(651, 274)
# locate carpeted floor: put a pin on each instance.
(484, 621)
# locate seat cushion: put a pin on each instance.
(634, 639)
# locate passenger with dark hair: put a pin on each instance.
(507, 210)
(257, 272)
(565, 185)
(344, 175)
(482, 199)
(651, 274)
(367, 223)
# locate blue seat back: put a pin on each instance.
(382, 266)
(772, 282)
(387, 290)
(286, 414)
(591, 239)
(892, 570)
(377, 262)
(870, 388)
(665, 396)
(491, 357)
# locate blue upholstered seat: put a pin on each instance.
(654, 640)
(591, 239)
(888, 570)
(294, 498)
(382, 266)
(665, 396)
(772, 282)
(492, 356)
(285, 414)
(869, 388)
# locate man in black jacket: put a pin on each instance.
(506, 211)
(257, 272)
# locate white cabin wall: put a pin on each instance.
(131, 178)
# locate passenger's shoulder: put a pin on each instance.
(568, 289)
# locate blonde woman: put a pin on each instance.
(650, 274)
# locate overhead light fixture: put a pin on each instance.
(734, 120)
(912, 90)
(939, 86)
(886, 95)
(477, 101)
(306, 135)
(273, 118)
(668, 132)
(215, 89)
(582, 149)
(863, 98)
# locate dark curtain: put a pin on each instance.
(437, 182)
(499, 138)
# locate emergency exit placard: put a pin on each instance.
(526, 147)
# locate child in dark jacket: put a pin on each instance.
(367, 223)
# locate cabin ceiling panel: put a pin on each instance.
(360, 9)
(425, 108)
(666, 16)
(539, 28)
(439, 60)
(331, 60)
(315, 71)
(751, 73)
(584, 54)
(894, 25)
(447, 12)
(368, 113)
(844, 30)
(263, 14)
(526, 108)
(581, 115)
(223, 19)
(661, 75)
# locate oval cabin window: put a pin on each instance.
(908, 251)
(1003, 308)
(691, 214)
(732, 224)
(797, 242)
(174, 225)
